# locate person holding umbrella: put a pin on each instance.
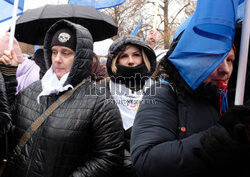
(130, 65)
(25, 70)
(63, 126)
(188, 132)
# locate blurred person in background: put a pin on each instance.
(26, 70)
(98, 72)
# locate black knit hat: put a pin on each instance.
(64, 37)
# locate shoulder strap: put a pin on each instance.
(39, 121)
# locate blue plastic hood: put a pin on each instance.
(206, 41)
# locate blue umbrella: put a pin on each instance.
(98, 4)
(206, 41)
(183, 25)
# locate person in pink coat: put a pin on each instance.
(27, 71)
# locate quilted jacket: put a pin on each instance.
(6, 81)
(82, 137)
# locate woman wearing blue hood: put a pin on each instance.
(189, 131)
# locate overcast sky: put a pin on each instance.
(28, 4)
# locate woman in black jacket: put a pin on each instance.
(130, 65)
(188, 132)
(84, 135)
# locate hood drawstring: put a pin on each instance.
(223, 97)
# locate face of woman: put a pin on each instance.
(62, 60)
(223, 71)
(130, 57)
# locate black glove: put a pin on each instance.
(217, 147)
(223, 155)
(247, 102)
(236, 121)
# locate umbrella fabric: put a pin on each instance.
(6, 9)
(32, 25)
(206, 40)
(240, 15)
(98, 4)
(182, 27)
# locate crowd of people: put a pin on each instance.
(66, 114)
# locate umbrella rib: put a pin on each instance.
(42, 11)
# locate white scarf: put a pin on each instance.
(127, 101)
(51, 84)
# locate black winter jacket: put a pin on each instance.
(166, 131)
(82, 137)
(8, 85)
(165, 134)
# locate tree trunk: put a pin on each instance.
(166, 26)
